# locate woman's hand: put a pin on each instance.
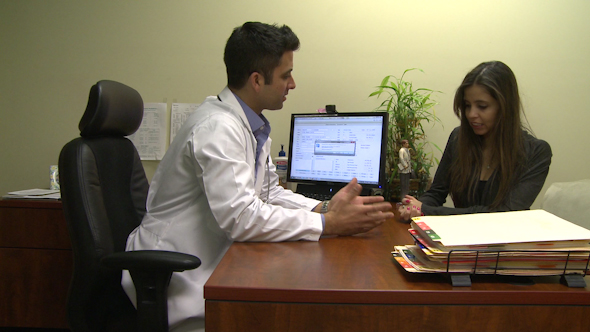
(408, 208)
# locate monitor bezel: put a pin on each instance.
(384, 138)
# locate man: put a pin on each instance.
(216, 184)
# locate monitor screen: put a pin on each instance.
(334, 148)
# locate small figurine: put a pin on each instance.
(405, 168)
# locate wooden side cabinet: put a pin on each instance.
(35, 264)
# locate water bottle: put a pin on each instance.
(281, 164)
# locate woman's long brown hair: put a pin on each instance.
(507, 134)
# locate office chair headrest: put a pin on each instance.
(114, 109)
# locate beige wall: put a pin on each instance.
(52, 52)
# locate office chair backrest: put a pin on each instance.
(103, 189)
(569, 200)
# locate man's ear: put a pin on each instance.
(256, 81)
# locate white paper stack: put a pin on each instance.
(34, 194)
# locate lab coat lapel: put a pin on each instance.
(226, 96)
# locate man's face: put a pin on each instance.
(274, 95)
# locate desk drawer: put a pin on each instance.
(34, 287)
(23, 227)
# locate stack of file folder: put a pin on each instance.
(34, 194)
(527, 243)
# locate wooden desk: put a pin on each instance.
(35, 264)
(353, 284)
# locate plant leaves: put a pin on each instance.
(408, 109)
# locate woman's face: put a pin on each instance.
(481, 110)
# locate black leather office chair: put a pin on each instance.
(104, 190)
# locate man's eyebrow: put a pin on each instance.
(287, 72)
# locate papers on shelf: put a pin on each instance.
(413, 259)
(512, 243)
(34, 194)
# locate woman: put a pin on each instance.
(491, 162)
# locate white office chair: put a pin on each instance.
(570, 201)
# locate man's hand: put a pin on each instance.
(348, 213)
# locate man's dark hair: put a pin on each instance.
(256, 47)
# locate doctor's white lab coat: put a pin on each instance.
(205, 195)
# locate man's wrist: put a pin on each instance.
(324, 207)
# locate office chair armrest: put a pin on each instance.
(151, 260)
(151, 271)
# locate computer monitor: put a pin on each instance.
(327, 150)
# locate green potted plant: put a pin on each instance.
(409, 109)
